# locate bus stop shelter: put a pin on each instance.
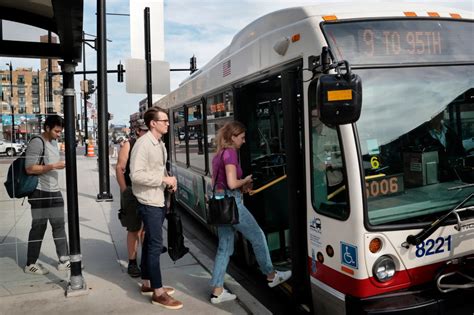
(65, 19)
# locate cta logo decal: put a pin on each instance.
(349, 255)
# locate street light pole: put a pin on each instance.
(11, 101)
(84, 114)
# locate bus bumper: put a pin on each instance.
(458, 302)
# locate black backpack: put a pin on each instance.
(176, 248)
(19, 184)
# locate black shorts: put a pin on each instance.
(128, 214)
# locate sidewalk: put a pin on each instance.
(103, 246)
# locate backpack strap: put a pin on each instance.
(41, 159)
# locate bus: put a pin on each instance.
(357, 116)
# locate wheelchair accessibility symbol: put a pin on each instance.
(349, 255)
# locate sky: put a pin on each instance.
(201, 28)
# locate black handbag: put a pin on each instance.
(222, 210)
(176, 248)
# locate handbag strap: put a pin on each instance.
(217, 176)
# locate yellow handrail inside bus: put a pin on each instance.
(273, 182)
(344, 187)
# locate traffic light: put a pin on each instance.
(192, 64)
(90, 86)
(110, 116)
(120, 72)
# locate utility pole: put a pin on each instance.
(147, 32)
(50, 81)
(84, 115)
(102, 110)
(11, 101)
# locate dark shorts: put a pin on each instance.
(128, 214)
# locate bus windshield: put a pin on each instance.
(416, 134)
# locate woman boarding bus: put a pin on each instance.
(373, 214)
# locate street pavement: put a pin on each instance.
(103, 246)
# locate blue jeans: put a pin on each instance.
(251, 231)
(153, 218)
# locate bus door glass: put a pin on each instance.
(329, 193)
(264, 157)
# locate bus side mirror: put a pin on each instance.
(339, 98)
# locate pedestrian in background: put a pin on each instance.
(225, 164)
(128, 215)
(46, 201)
(149, 181)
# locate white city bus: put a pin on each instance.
(373, 213)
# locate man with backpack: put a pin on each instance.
(128, 213)
(43, 160)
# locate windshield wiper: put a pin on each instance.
(427, 231)
(461, 187)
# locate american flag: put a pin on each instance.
(226, 68)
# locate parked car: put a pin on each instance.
(11, 149)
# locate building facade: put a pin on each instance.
(27, 96)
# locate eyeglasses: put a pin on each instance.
(163, 120)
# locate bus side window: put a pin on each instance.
(220, 109)
(179, 136)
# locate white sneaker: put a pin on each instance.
(64, 266)
(36, 269)
(223, 297)
(280, 277)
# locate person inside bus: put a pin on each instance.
(438, 136)
(226, 166)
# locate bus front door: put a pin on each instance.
(272, 111)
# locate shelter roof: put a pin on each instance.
(62, 17)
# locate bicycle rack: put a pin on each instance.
(459, 279)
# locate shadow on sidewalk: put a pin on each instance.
(13, 280)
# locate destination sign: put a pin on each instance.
(384, 185)
(401, 41)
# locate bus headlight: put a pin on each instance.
(384, 269)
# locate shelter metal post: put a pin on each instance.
(77, 285)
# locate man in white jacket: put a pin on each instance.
(149, 182)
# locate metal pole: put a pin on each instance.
(86, 132)
(38, 116)
(11, 102)
(102, 110)
(50, 81)
(149, 85)
(77, 282)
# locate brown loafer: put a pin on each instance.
(149, 291)
(166, 301)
